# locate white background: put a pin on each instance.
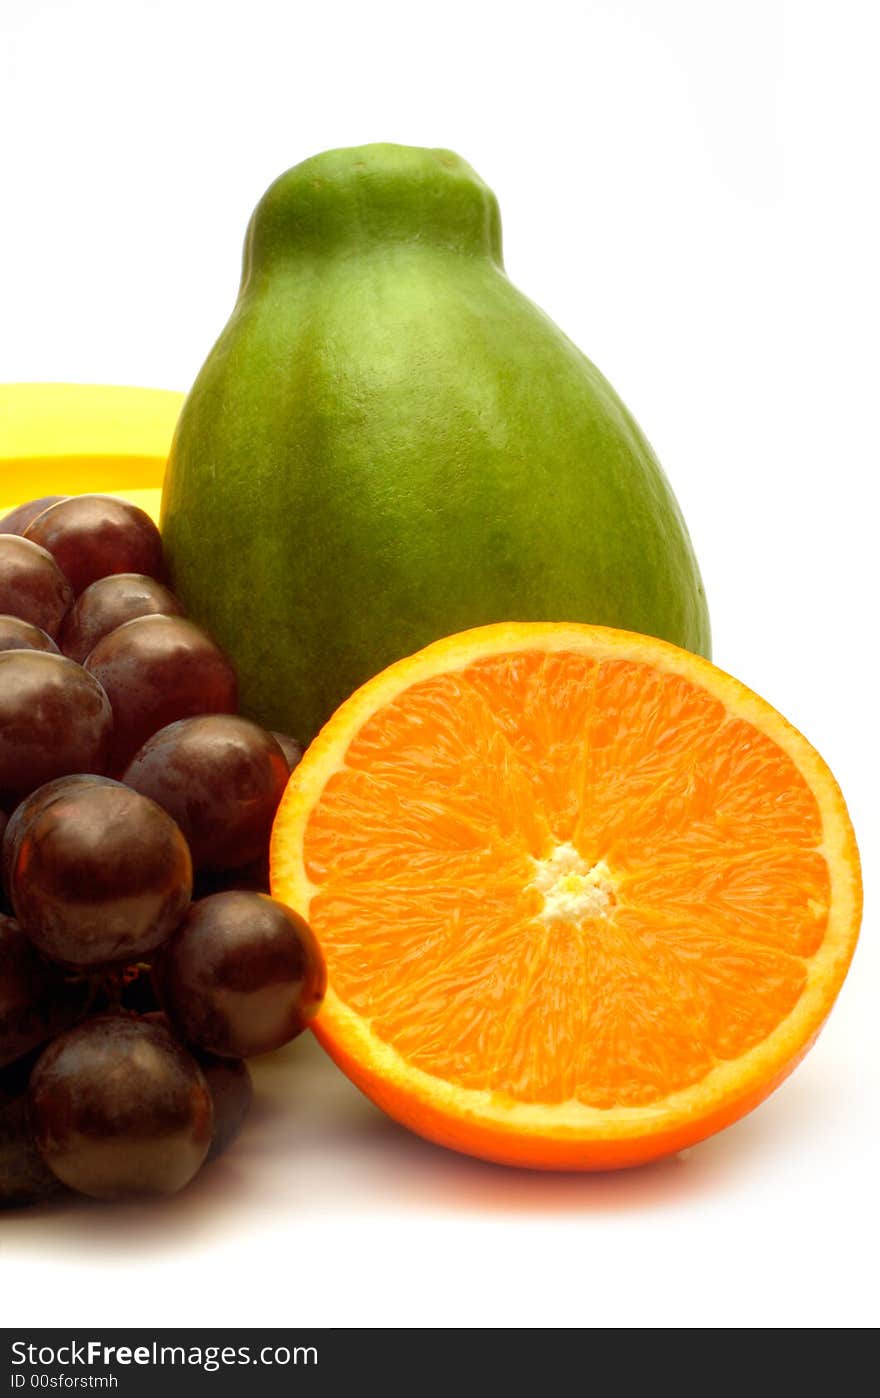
(687, 189)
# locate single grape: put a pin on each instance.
(17, 521)
(24, 1176)
(221, 778)
(101, 876)
(120, 1109)
(230, 1086)
(54, 719)
(108, 603)
(32, 586)
(243, 974)
(293, 751)
(36, 1001)
(157, 669)
(16, 634)
(25, 811)
(91, 536)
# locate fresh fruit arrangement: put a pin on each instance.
(583, 898)
(140, 962)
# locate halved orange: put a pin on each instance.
(585, 899)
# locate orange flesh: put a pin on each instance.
(566, 879)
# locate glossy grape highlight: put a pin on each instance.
(155, 670)
(32, 586)
(221, 778)
(100, 876)
(91, 536)
(109, 603)
(16, 634)
(242, 975)
(55, 719)
(120, 1110)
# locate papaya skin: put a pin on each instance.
(390, 443)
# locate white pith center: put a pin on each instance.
(572, 889)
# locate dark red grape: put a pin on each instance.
(24, 1177)
(120, 1109)
(221, 778)
(292, 750)
(36, 1001)
(17, 521)
(54, 719)
(32, 586)
(91, 536)
(232, 1092)
(16, 634)
(243, 974)
(108, 603)
(230, 1086)
(24, 813)
(157, 669)
(101, 876)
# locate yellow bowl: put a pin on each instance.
(74, 439)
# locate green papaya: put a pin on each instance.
(389, 443)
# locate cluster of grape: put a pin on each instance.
(141, 960)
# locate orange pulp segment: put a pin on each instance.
(584, 898)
